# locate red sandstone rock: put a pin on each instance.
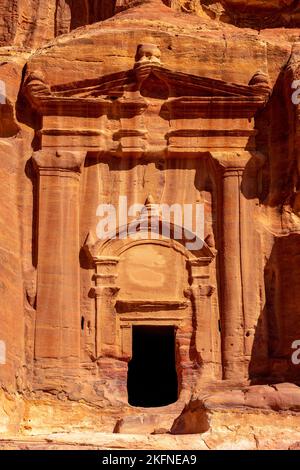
(162, 102)
(31, 23)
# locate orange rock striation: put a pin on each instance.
(163, 103)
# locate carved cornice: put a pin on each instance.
(214, 106)
(119, 93)
(80, 114)
(235, 162)
(106, 260)
(202, 290)
(105, 291)
(124, 306)
(203, 261)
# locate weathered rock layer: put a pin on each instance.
(162, 103)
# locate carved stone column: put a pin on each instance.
(105, 292)
(239, 274)
(233, 352)
(57, 335)
(201, 292)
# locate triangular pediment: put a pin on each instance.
(127, 86)
(115, 85)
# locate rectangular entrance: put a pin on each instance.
(152, 377)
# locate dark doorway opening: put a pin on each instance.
(152, 377)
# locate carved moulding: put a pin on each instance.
(123, 312)
(127, 94)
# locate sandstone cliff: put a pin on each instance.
(73, 90)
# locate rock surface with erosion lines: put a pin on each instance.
(150, 341)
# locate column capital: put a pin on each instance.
(202, 290)
(206, 290)
(109, 291)
(59, 161)
(106, 270)
(106, 260)
(235, 162)
(199, 270)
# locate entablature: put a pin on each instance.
(147, 109)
